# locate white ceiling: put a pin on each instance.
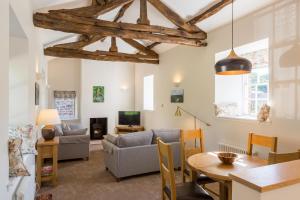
(186, 9)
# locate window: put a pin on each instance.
(148, 92)
(65, 103)
(242, 96)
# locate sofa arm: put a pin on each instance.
(74, 139)
(109, 147)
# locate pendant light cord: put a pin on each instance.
(232, 26)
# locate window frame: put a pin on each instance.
(241, 50)
(75, 108)
(146, 107)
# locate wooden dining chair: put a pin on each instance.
(171, 190)
(195, 139)
(275, 158)
(261, 140)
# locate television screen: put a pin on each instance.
(129, 118)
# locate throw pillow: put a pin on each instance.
(16, 165)
(135, 139)
(166, 135)
(28, 136)
(75, 132)
(28, 139)
(58, 130)
(65, 127)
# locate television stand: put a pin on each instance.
(123, 129)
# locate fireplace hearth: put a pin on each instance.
(98, 128)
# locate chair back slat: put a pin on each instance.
(261, 140)
(197, 138)
(166, 168)
(275, 158)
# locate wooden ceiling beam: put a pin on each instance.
(94, 38)
(174, 17)
(122, 11)
(89, 26)
(94, 10)
(113, 46)
(210, 11)
(143, 13)
(99, 55)
(81, 43)
(140, 47)
(67, 18)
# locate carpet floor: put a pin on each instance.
(88, 180)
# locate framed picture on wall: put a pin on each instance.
(177, 95)
(37, 94)
(98, 94)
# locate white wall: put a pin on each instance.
(19, 82)
(281, 24)
(64, 75)
(4, 72)
(113, 76)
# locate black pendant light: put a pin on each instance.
(233, 64)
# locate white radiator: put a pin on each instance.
(231, 148)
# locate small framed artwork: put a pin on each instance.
(177, 95)
(98, 94)
(37, 94)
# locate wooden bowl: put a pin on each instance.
(227, 158)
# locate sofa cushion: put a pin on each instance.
(75, 126)
(75, 132)
(166, 135)
(76, 139)
(135, 139)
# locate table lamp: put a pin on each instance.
(48, 118)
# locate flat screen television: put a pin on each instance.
(130, 118)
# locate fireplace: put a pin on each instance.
(98, 128)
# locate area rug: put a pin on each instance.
(88, 180)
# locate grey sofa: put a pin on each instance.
(73, 142)
(137, 153)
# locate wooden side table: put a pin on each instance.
(47, 150)
(128, 129)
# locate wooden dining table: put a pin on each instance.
(209, 164)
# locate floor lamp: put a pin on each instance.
(178, 114)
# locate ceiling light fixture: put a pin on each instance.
(233, 64)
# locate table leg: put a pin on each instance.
(229, 189)
(194, 176)
(225, 190)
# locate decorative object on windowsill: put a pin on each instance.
(49, 118)
(264, 113)
(227, 158)
(233, 64)
(179, 114)
(226, 109)
(98, 94)
(217, 110)
(177, 95)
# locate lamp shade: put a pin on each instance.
(48, 117)
(233, 65)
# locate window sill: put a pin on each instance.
(243, 118)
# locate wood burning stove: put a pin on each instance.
(98, 128)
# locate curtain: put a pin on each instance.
(65, 94)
